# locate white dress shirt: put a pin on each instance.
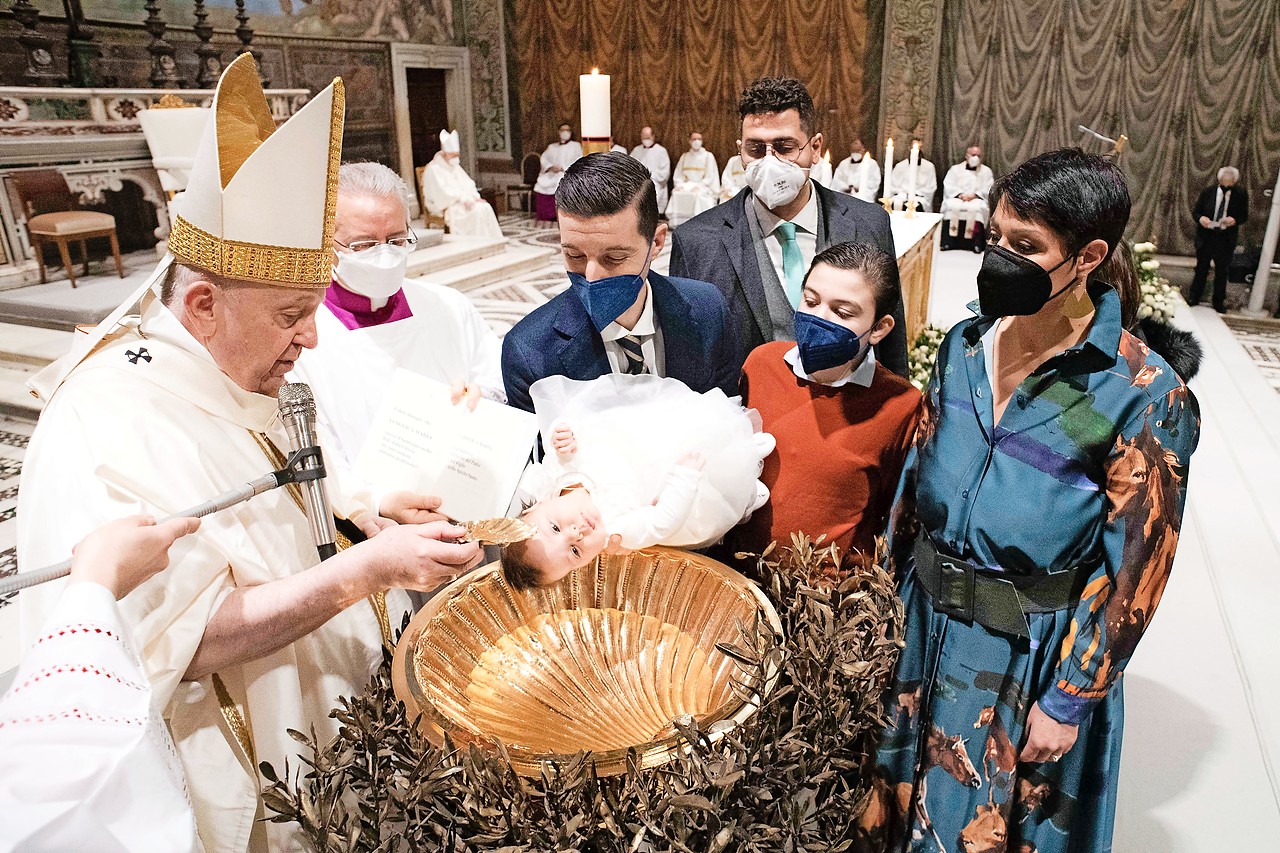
(650, 346)
(862, 375)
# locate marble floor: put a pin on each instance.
(1201, 765)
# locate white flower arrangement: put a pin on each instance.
(1159, 299)
(923, 354)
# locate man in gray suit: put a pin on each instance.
(757, 246)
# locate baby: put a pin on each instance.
(657, 464)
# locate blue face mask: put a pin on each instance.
(824, 344)
(606, 299)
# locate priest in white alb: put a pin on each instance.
(964, 195)
(820, 172)
(926, 183)
(733, 179)
(696, 183)
(246, 634)
(656, 159)
(375, 320)
(448, 191)
(858, 174)
(559, 156)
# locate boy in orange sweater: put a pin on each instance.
(842, 422)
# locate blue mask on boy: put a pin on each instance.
(824, 344)
(606, 299)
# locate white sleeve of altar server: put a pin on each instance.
(85, 761)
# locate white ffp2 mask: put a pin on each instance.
(774, 181)
(376, 273)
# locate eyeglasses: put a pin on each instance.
(364, 245)
(783, 148)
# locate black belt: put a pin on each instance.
(995, 600)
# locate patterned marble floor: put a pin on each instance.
(1261, 340)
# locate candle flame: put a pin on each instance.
(595, 70)
(826, 157)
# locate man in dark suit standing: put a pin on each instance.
(618, 316)
(1219, 213)
(756, 246)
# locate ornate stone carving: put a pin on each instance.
(39, 47)
(164, 68)
(210, 56)
(913, 38)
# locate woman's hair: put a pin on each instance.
(873, 263)
(1121, 274)
(1079, 197)
(520, 574)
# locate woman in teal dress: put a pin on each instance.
(1034, 532)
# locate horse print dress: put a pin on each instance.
(1088, 465)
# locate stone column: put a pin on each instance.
(909, 73)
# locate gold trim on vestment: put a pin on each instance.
(235, 720)
(171, 102)
(337, 121)
(285, 266)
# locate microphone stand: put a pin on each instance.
(292, 472)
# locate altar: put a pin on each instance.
(916, 240)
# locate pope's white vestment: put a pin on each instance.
(656, 159)
(861, 179)
(696, 186)
(149, 424)
(86, 763)
(350, 370)
(450, 192)
(961, 180)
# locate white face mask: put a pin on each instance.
(376, 273)
(974, 161)
(775, 182)
(647, 143)
(856, 157)
(696, 145)
(566, 135)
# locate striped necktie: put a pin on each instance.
(631, 348)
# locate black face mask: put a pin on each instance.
(1011, 285)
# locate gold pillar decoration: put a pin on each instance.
(909, 76)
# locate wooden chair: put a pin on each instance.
(53, 216)
(530, 168)
(429, 218)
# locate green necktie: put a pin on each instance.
(792, 262)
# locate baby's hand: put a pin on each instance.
(563, 440)
(692, 460)
(460, 392)
(123, 554)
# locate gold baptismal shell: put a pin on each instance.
(603, 661)
(499, 531)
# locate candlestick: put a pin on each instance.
(593, 90)
(887, 201)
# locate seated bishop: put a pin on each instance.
(964, 195)
(448, 191)
(246, 634)
(696, 183)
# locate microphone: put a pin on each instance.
(298, 411)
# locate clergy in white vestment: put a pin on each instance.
(656, 159)
(820, 171)
(246, 634)
(733, 179)
(559, 156)
(926, 184)
(696, 183)
(86, 762)
(449, 191)
(374, 320)
(964, 194)
(858, 174)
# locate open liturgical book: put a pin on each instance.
(420, 441)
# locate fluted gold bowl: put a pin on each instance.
(603, 661)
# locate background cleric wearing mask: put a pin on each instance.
(374, 320)
(756, 247)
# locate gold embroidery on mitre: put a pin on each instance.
(280, 265)
(337, 121)
(171, 102)
(241, 115)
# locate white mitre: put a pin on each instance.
(259, 205)
(449, 142)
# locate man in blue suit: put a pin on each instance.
(618, 316)
(757, 246)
